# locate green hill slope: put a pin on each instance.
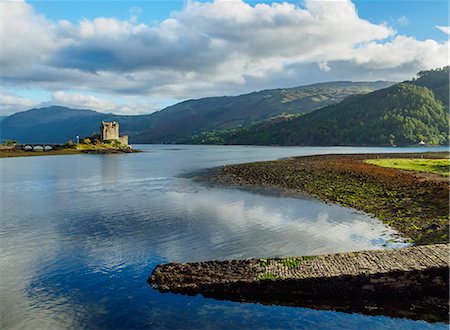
(187, 118)
(402, 114)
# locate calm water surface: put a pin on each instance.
(80, 234)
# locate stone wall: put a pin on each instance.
(124, 140)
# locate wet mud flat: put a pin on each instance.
(415, 204)
(407, 282)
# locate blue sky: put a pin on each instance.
(411, 18)
(139, 56)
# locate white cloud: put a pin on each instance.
(403, 20)
(323, 66)
(11, 103)
(84, 101)
(26, 37)
(402, 51)
(445, 29)
(212, 48)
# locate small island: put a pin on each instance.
(108, 141)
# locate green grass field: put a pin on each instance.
(437, 166)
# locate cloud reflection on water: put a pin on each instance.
(80, 234)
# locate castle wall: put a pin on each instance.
(110, 131)
(124, 140)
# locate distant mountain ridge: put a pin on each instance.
(402, 114)
(54, 124)
(58, 124)
(189, 117)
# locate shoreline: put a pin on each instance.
(12, 153)
(415, 204)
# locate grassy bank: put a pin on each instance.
(415, 205)
(436, 166)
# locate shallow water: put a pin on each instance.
(80, 234)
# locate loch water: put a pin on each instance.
(80, 234)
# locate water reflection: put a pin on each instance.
(237, 224)
(80, 234)
(430, 309)
(109, 166)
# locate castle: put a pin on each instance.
(110, 131)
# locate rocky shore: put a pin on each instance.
(410, 281)
(415, 204)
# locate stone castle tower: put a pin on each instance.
(110, 131)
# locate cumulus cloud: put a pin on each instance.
(212, 48)
(11, 103)
(402, 51)
(85, 101)
(26, 37)
(445, 29)
(208, 38)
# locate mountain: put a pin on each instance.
(184, 119)
(175, 123)
(402, 114)
(38, 125)
(58, 124)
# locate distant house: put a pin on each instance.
(421, 143)
(110, 131)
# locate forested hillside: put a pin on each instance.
(185, 119)
(402, 114)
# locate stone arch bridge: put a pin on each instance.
(37, 146)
